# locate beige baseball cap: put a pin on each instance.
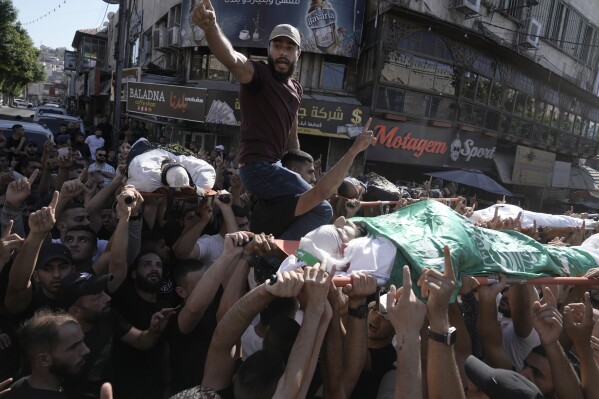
(286, 30)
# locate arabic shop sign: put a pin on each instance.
(533, 167)
(324, 118)
(326, 27)
(420, 144)
(178, 102)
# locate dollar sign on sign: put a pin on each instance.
(356, 116)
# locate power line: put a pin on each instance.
(46, 14)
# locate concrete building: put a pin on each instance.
(505, 86)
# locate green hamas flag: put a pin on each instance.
(421, 230)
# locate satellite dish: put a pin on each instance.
(110, 15)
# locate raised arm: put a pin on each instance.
(328, 183)
(407, 315)
(293, 139)
(185, 247)
(205, 290)
(578, 323)
(301, 363)
(19, 290)
(356, 340)
(521, 308)
(221, 356)
(203, 15)
(489, 330)
(146, 339)
(442, 375)
(548, 323)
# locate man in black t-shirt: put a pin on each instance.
(140, 373)
(53, 345)
(84, 296)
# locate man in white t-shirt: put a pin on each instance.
(94, 142)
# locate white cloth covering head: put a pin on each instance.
(177, 177)
(324, 243)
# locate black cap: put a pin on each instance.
(76, 285)
(499, 383)
(51, 251)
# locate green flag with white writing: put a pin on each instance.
(421, 230)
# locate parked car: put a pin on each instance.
(43, 110)
(53, 121)
(33, 131)
(19, 103)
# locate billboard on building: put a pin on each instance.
(315, 117)
(533, 167)
(177, 102)
(420, 144)
(70, 60)
(326, 27)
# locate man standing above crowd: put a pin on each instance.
(270, 100)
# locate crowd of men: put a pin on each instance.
(112, 292)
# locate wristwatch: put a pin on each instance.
(448, 338)
(360, 312)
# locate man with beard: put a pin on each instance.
(53, 345)
(140, 373)
(84, 296)
(270, 100)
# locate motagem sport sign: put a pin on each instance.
(177, 102)
(420, 144)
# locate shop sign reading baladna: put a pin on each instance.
(178, 102)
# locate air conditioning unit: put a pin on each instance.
(173, 36)
(533, 31)
(468, 7)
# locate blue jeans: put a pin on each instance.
(271, 180)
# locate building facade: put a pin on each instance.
(508, 87)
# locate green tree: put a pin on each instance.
(19, 59)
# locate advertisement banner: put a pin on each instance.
(70, 60)
(178, 102)
(326, 27)
(561, 174)
(316, 117)
(533, 167)
(419, 144)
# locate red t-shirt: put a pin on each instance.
(268, 109)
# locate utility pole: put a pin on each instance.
(120, 64)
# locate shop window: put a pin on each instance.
(415, 103)
(216, 69)
(492, 120)
(496, 97)
(483, 89)
(540, 134)
(332, 76)
(530, 108)
(440, 108)
(539, 111)
(197, 70)
(422, 74)
(578, 125)
(520, 103)
(390, 99)
(509, 98)
(472, 115)
(444, 79)
(468, 85)
(426, 43)
(505, 124)
(548, 114)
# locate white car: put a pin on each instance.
(45, 110)
(19, 103)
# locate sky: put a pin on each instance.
(57, 28)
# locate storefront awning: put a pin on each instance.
(580, 179)
(504, 163)
(594, 174)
